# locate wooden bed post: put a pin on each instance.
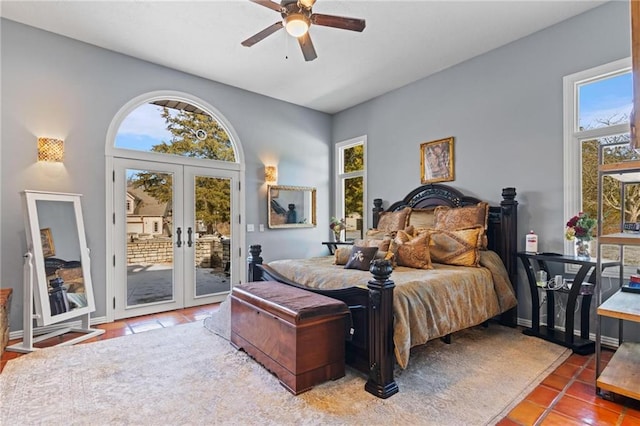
(509, 224)
(377, 209)
(381, 355)
(254, 273)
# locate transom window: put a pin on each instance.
(177, 128)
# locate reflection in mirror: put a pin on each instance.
(63, 268)
(56, 239)
(291, 206)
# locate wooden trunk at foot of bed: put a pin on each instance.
(372, 351)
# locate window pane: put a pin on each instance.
(605, 102)
(354, 206)
(353, 159)
(184, 130)
(615, 148)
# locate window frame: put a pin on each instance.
(340, 177)
(573, 136)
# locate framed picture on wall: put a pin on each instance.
(436, 161)
(48, 249)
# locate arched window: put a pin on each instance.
(177, 128)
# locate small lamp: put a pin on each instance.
(271, 175)
(50, 149)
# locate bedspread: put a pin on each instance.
(427, 303)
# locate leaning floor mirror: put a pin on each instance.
(56, 270)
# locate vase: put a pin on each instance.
(583, 249)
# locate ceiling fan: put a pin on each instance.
(297, 18)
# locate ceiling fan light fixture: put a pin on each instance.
(307, 4)
(296, 24)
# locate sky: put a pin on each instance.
(143, 128)
(609, 98)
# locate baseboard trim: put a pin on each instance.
(18, 334)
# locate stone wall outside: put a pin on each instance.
(211, 251)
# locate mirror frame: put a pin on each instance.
(35, 247)
(309, 197)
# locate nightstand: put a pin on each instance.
(333, 245)
(579, 344)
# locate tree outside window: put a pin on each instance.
(350, 185)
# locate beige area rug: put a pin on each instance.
(188, 375)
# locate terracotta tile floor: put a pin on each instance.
(566, 397)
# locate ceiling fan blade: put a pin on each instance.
(270, 4)
(306, 45)
(352, 24)
(262, 34)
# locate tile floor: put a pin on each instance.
(566, 397)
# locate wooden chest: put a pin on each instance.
(5, 307)
(296, 334)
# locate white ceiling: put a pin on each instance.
(403, 41)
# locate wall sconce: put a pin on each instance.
(50, 149)
(271, 175)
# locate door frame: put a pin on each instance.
(183, 266)
(239, 239)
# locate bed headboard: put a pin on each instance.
(502, 224)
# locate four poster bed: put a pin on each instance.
(405, 305)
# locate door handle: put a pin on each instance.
(179, 240)
(189, 241)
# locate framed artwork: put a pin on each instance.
(436, 161)
(48, 249)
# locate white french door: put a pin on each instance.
(173, 232)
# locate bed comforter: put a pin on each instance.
(427, 304)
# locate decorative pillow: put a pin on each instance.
(454, 219)
(456, 247)
(413, 253)
(422, 218)
(394, 221)
(361, 257)
(380, 244)
(342, 255)
(376, 234)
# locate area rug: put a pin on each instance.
(187, 375)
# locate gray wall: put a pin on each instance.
(504, 109)
(54, 86)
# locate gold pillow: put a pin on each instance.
(342, 255)
(376, 234)
(422, 218)
(456, 247)
(394, 221)
(381, 244)
(412, 251)
(454, 219)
